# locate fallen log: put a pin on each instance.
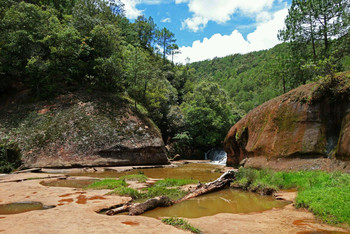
(220, 183)
(139, 208)
(164, 201)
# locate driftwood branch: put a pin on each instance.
(164, 201)
(139, 208)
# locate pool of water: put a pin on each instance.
(224, 201)
(70, 183)
(197, 171)
(21, 207)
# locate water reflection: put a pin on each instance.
(225, 201)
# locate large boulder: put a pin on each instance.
(77, 129)
(312, 121)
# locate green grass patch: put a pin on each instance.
(107, 184)
(149, 193)
(180, 223)
(156, 191)
(327, 195)
(125, 191)
(135, 177)
(174, 182)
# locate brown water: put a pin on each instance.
(197, 171)
(20, 207)
(68, 183)
(225, 201)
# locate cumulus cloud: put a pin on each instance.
(264, 37)
(131, 12)
(219, 11)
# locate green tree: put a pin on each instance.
(89, 13)
(139, 72)
(145, 29)
(166, 41)
(315, 24)
(208, 114)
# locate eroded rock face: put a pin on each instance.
(312, 121)
(82, 130)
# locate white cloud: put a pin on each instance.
(263, 16)
(219, 11)
(131, 12)
(181, 1)
(196, 23)
(264, 37)
(166, 20)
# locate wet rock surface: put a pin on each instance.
(309, 122)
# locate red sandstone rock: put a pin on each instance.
(312, 121)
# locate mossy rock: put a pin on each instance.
(309, 121)
(79, 129)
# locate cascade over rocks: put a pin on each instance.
(307, 123)
(78, 130)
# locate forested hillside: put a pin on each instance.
(316, 43)
(254, 78)
(48, 48)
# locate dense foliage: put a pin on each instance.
(49, 47)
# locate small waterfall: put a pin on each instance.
(216, 156)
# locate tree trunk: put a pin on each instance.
(164, 201)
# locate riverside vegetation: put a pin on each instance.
(160, 188)
(325, 194)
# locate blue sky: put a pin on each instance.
(205, 29)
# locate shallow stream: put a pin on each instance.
(203, 172)
(224, 201)
(20, 207)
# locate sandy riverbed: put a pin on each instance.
(71, 215)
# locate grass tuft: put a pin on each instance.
(180, 223)
(107, 184)
(156, 191)
(174, 182)
(135, 177)
(125, 191)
